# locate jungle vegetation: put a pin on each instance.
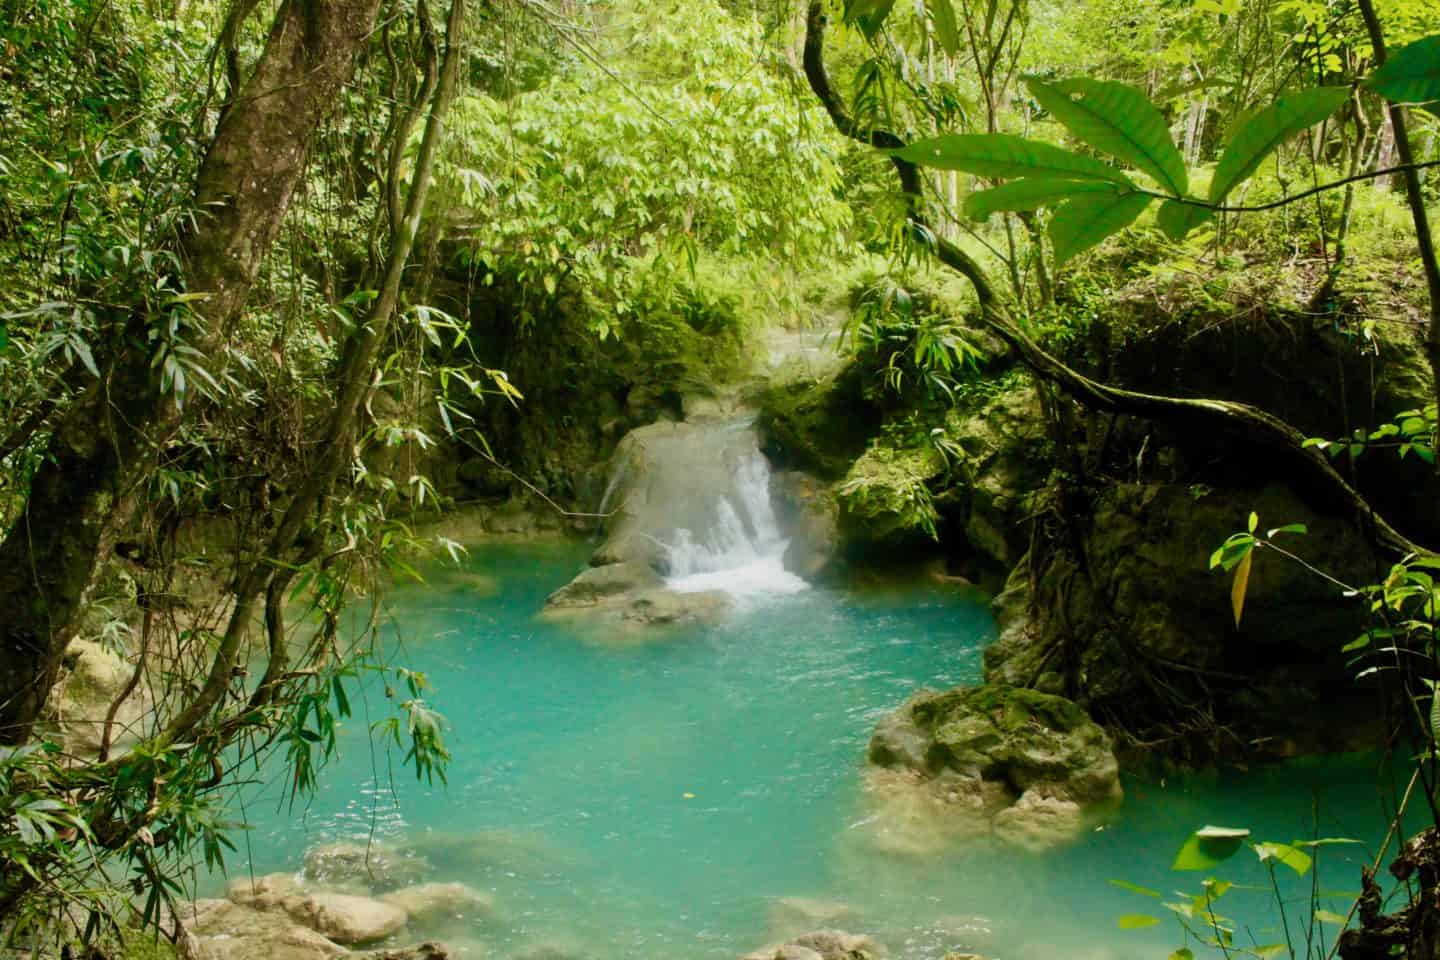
(240, 241)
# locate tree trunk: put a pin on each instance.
(100, 448)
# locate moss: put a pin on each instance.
(144, 945)
(1011, 709)
(821, 426)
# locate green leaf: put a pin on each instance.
(1411, 74)
(1003, 155)
(947, 31)
(1085, 221)
(1031, 193)
(1177, 219)
(1137, 921)
(4, 336)
(1182, 954)
(1271, 950)
(868, 15)
(1288, 528)
(1118, 120)
(1135, 888)
(1208, 847)
(1329, 916)
(1239, 585)
(1296, 860)
(1269, 128)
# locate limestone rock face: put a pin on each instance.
(94, 678)
(1029, 766)
(346, 918)
(814, 523)
(265, 891)
(824, 944)
(1143, 624)
(597, 585)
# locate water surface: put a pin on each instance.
(657, 799)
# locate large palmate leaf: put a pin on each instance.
(1269, 128)
(1117, 120)
(1031, 193)
(947, 31)
(1003, 155)
(1083, 222)
(1177, 219)
(1411, 74)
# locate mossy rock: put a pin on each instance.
(820, 426)
(1032, 766)
(886, 497)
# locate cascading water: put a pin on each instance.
(743, 551)
(700, 494)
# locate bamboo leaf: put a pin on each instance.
(1266, 130)
(1003, 155)
(868, 15)
(947, 31)
(1030, 193)
(1085, 221)
(1177, 219)
(1118, 120)
(1137, 921)
(1135, 888)
(1411, 74)
(1238, 585)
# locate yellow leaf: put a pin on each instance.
(1237, 588)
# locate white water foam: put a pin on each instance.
(742, 552)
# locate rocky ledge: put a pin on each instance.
(326, 910)
(1031, 768)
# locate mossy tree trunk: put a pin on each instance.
(100, 448)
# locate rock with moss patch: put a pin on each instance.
(821, 944)
(1033, 765)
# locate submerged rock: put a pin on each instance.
(375, 866)
(598, 585)
(346, 918)
(427, 900)
(265, 891)
(821, 944)
(804, 913)
(1028, 766)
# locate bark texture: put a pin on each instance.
(100, 448)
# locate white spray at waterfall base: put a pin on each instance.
(700, 493)
(743, 552)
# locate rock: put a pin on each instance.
(263, 892)
(884, 498)
(1033, 765)
(95, 676)
(597, 585)
(375, 866)
(429, 950)
(804, 913)
(818, 425)
(223, 930)
(1137, 589)
(630, 546)
(661, 607)
(824, 944)
(427, 900)
(346, 918)
(1005, 462)
(812, 520)
(1038, 822)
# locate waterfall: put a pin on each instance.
(701, 493)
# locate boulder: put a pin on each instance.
(663, 607)
(94, 677)
(224, 930)
(373, 866)
(824, 944)
(428, 900)
(1032, 765)
(597, 585)
(346, 918)
(263, 892)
